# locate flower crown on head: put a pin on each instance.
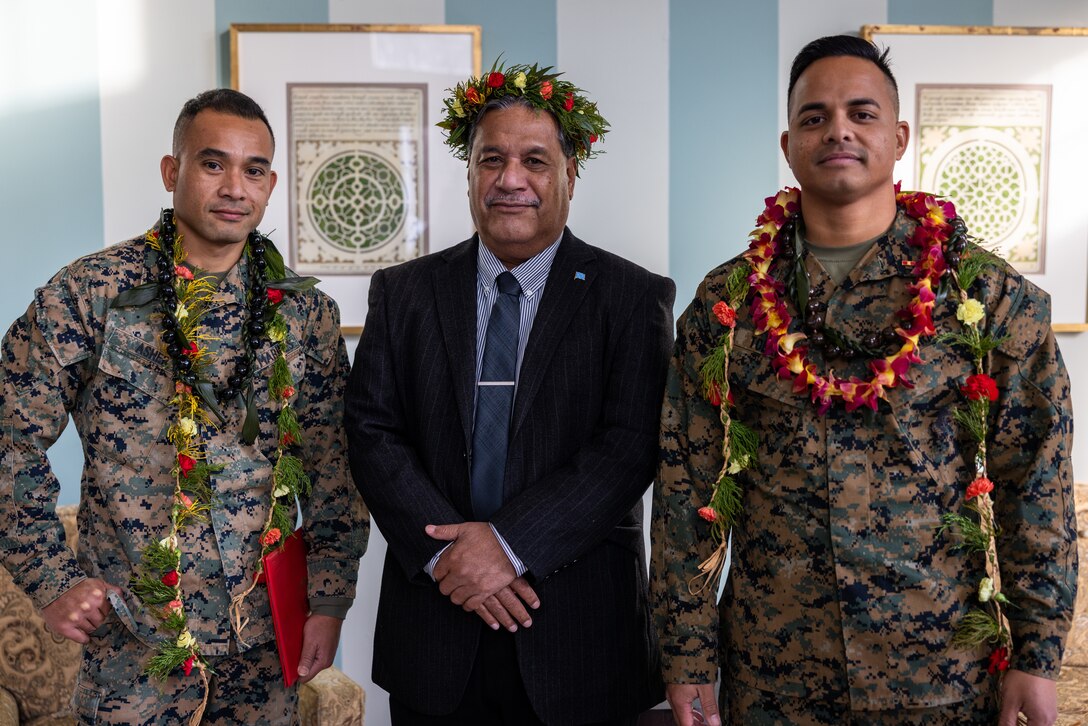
(578, 117)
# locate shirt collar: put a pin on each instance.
(531, 274)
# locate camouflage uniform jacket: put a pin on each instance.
(840, 586)
(71, 353)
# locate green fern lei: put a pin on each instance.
(151, 591)
(971, 534)
(976, 628)
(972, 418)
(973, 264)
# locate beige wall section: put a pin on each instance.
(621, 202)
(139, 54)
(801, 21)
(408, 12)
(1061, 13)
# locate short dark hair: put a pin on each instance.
(565, 143)
(842, 45)
(223, 100)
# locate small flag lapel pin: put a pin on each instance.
(580, 276)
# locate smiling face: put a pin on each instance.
(221, 179)
(519, 183)
(844, 135)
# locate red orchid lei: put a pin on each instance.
(936, 225)
(790, 359)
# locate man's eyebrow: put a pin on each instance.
(213, 153)
(820, 106)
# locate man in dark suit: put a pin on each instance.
(502, 421)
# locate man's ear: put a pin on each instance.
(169, 168)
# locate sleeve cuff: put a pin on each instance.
(332, 578)
(519, 566)
(334, 607)
(429, 567)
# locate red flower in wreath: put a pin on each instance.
(982, 485)
(472, 95)
(568, 104)
(187, 666)
(190, 350)
(708, 514)
(546, 90)
(495, 80)
(171, 578)
(186, 464)
(270, 537)
(726, 315)
(714, 395)
(275, 296)
(978, 386)
(999, 660)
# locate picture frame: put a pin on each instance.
(969, 63)
(363, 178)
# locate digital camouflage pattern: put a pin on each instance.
(841, 587)
(71, 353)
(246, 688)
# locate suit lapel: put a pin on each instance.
(573, 271)
(455, 295)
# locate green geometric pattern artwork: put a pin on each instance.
(357, 201)
(986, 182)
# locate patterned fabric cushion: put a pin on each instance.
(332, 699)
(34, 668)
(1073, 683)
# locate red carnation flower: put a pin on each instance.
(978, 386)
(495, 80)
(999, 660)
(568, 105)
(171, 578)
(708, 514)
(982, 485)
(715, 394)
(275, 296)
(287, 439)
(288, 391)
(472, 95)
(726, 315)
(270, 537)
(546, 90)
(593, 138)
(186, 464)
(190, 350)
(187, 666)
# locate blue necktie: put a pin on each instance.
(495, 399)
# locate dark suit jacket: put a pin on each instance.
(582, 451)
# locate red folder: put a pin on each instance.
(285, 575)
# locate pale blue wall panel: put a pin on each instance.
(522, 31)
(723, 131)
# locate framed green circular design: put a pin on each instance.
(356, 201)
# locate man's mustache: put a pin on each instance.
(511, 199)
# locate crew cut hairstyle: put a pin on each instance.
(842, 45)
(222, 100)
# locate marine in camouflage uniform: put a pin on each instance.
(842, 596)
(74, 354)
(840, 587)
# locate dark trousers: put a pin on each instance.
(495, 694)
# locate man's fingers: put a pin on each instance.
(514, 606)
(444, 532)
(487, 617)
(522, 589)
(306, 660)
(709, 705)
(500, 614)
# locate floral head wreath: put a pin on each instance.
(578, 118)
